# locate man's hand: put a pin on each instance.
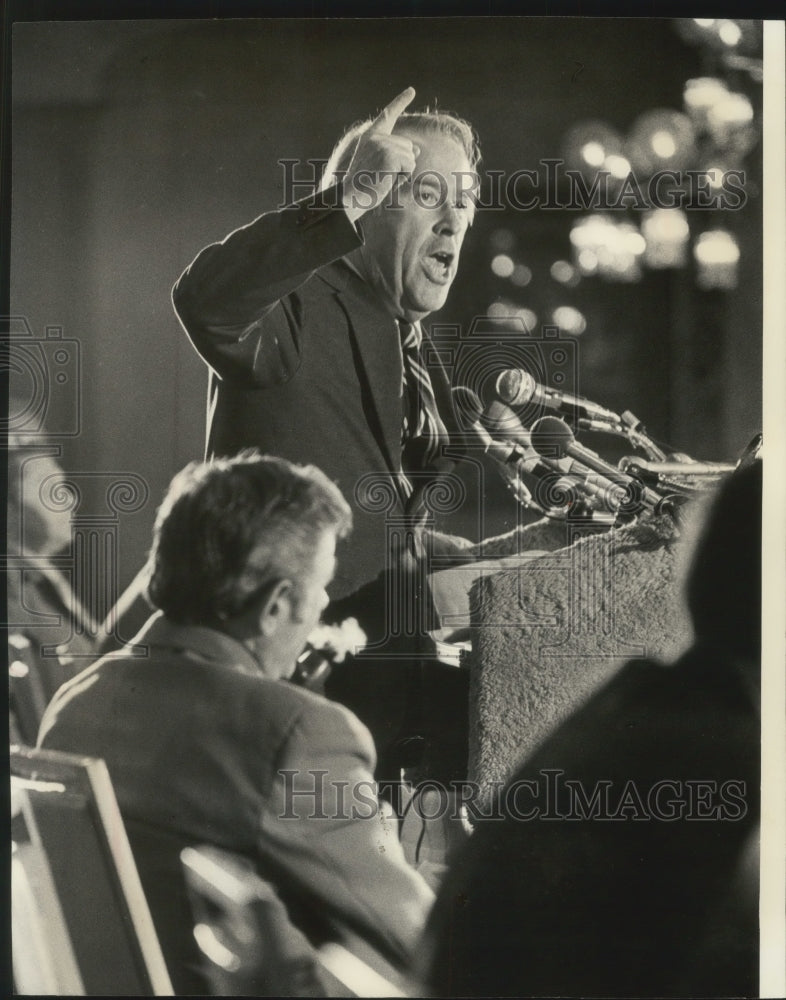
(380, 160)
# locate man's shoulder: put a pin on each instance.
(288, 708)
(318, 716)
(219, 694)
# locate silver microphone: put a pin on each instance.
(552, 438)
(508, 455)
(516, 387)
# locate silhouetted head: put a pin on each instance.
(724, 582)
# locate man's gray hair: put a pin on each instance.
(231, 527)
(425, 122)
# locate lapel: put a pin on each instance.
(375, 336)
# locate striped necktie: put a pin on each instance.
(422, 430)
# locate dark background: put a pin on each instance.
(135, 143)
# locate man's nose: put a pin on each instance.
(452, 220)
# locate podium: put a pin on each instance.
(555, 608)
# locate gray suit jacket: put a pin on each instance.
(201, 748)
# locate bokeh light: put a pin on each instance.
(661, 139)
(505, 309)
(729, 32)
(611, 249)
(565, 273)
(570, 320)
(618, 166)
(721, 34)
(589, 145)
(699, 95)
(730, 123)
(666, 233)
(502, 265)
(521, 276)
(717, 256)
(715, 171)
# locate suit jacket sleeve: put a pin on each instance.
(333, 837)
(238, 299)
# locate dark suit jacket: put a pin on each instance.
(648, 893)
(196, 740)
(304, 362)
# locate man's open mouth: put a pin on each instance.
(439, 266)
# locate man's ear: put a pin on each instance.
(276, 607)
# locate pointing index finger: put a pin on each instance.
(388, 117)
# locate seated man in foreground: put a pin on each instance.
(205, 741)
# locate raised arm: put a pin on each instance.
(238, 300)
(237, 294)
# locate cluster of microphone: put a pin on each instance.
(567, 478)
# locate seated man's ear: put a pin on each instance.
(276, 607)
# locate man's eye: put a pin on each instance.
(427, 196)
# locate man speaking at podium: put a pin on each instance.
(309, 320)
